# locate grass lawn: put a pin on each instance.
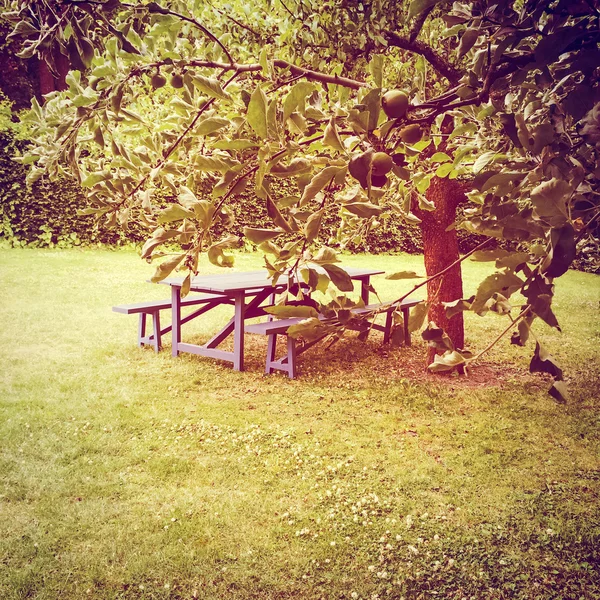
(127, 474)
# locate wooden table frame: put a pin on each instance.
(235, 289)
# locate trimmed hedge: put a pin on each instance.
(46, 215)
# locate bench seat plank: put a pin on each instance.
(280, 326)
(153, 307)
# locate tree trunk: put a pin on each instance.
(440, 248)
(49, 81)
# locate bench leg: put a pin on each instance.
(405, 315)
(291, 357)
(141, 329)
(387, 334)
(287, 363)
(271, 346)
(156, 339)
(175, 319)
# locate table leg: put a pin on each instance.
(238, 332)
(364, 290)
(175, 319)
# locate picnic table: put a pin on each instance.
(249, 293)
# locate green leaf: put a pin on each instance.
(331, 137)
(486, 158)
(373, 103)
(339, 278)
(397, 337)
(417, 316)
(313, 225)
(276, 216)
(318, 182)
(550, 47)
(214, 163)
(204, 212)
(543, 135)
(174, 212)
(165, 268)
(501, 179)
(296, 98)
(444, 170)
(440, 157)
(488, 255)
(211, 125)
(579, 101)
(216, 255)
(325, 255)
(258, 236)
(509, 125)
(311, 329)
(499, 304)
(264, 61)
(447, 362)
(185, 286)
(158, 237)
(403, 275)
(425, 204)
(363, 209)
(286, 311)
(437, 338)
(272, 120)
(418, 6)
(234, 144)
(504, 283)
(457, 306)
(549, 200)
(512, 260)
(467, 40)
(376, 69)
(187, 198)
(559, 391)
(94, 178)
(521, 336)
(83, 212)
(297, 166)
(563, 250)
(543, 362)
(541, 306)
(257, 113)
(209, 86)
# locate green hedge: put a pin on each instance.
(46, 215)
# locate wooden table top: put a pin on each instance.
(248, 280)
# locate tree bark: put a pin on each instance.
(440, 248)
(51, 82)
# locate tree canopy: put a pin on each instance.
(361, 106)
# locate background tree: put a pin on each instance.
(160, 101)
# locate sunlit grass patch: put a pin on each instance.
(130, 474)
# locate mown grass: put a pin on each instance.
(126, 474)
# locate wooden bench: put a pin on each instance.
(287, 363)
(153, 308)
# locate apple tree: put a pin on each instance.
(372, 108)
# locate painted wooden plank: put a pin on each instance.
(208, 352)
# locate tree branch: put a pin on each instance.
(417, 25)
(438, 62)
(322, 77)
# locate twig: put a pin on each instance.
(178, 141)
(442, 272)
(498, 338)
(437, 61)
